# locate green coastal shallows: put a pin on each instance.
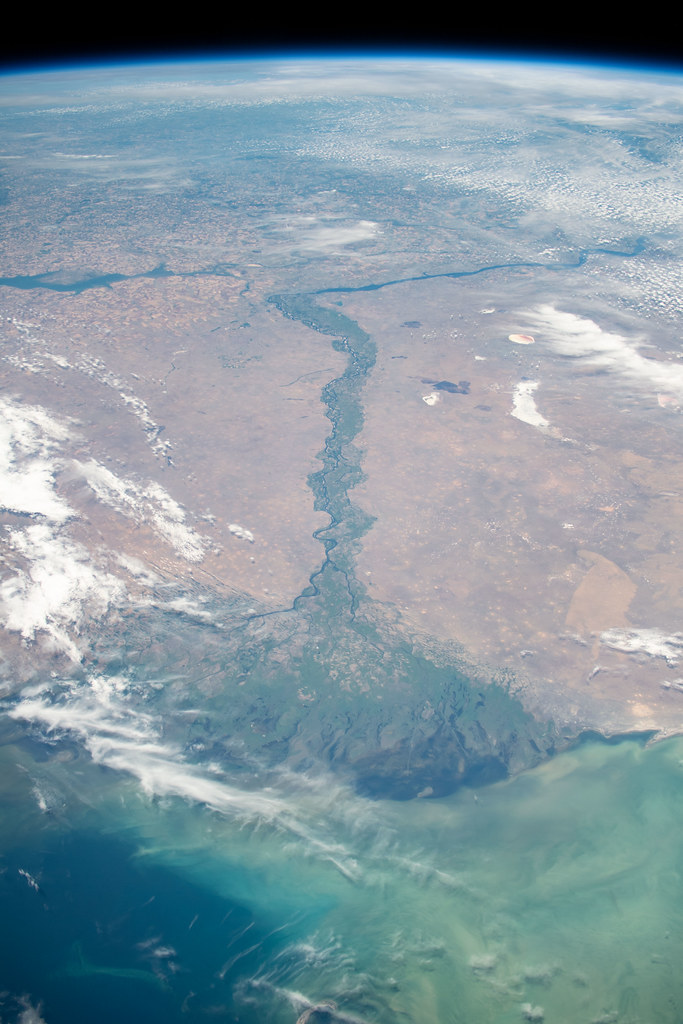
(557, 889)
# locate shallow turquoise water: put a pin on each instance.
(555, 893)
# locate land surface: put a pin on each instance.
(388, 435)
(525, 544)
(522, 545)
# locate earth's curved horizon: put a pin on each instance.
(341, 464)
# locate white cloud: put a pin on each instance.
(582, 339)
(58, 591)
(312, 234)
(31, 1014)
(652, 642)
(117, 733)
(29, 439)
(150, 504)
(524, 406)
(241, 532)
(86, 156)
(55, 586)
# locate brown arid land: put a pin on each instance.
(535, 548)
(526, 545)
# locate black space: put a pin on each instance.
(61, 37)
